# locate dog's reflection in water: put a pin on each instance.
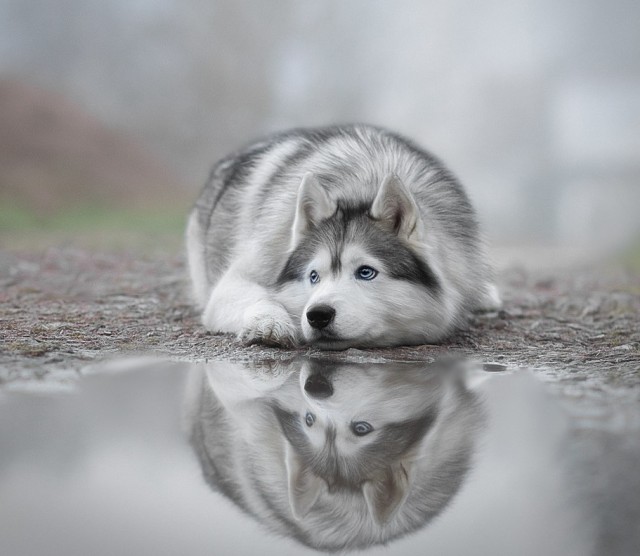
(338, 456)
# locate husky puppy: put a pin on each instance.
(294, 450)
(341, 236)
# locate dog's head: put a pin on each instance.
(339, 456)
(361, 434)
(358, 274)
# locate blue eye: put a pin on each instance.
(360, 428)
(314, 277)
(309, 419)
(366, 273)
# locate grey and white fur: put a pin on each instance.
(340, 236)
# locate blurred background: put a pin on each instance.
(113, 111)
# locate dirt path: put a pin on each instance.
(64, 308)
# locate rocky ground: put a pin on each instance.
(64, 309)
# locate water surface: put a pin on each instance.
(287, 458)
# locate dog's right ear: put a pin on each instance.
(312, 206)
(304, 486)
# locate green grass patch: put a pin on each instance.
(17, 218)
(631, 256)
(93, 226)
(92, 217)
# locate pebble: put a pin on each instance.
(494, 367)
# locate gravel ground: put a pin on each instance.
(64, 309)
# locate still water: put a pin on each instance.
(290, 458)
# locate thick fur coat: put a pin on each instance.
(338, 237)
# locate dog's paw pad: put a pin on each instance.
(270, 331)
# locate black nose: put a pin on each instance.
(320, 316)
(318, 386)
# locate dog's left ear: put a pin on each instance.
(304, 487)
(395, 208)
(312, 206)
(385, 493)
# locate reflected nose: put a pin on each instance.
(319, 316)
(318, 386)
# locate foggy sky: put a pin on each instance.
(534, 104)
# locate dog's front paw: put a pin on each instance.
(272, 327)
(489, 300)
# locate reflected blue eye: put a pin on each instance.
(360, 428)
(314, 277)
(366, 273)
(309, 419)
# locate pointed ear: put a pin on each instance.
(304, 486)
(312, 206)
(386, 493)
(395, 208)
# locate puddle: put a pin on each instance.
(289, 458)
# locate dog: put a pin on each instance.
(297, 451)
(345, 236)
